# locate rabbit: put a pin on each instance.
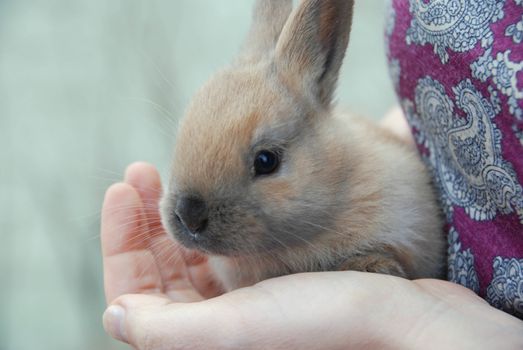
(269, 178)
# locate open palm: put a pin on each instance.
(138, 256)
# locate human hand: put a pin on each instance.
(395, 122)
(156, 291)
(138, 255)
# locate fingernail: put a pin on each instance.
(113, 320)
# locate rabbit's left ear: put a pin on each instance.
(268, 19)
(312, 46)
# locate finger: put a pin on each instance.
(201, 275)
(123, 225)
(129, 267)
(396, 123)
(116, 320)
(154, 322)
(145, 179)
(168, 254)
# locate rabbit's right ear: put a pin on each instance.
(269, 17)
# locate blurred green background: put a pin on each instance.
(87, 87)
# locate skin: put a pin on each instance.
(160, 296)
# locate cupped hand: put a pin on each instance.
(138, 256)
(158, 293)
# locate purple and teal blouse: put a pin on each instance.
(457, 67)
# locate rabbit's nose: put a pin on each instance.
(192, 213)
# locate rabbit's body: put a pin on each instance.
(270, 180)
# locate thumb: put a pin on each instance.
(154, 322)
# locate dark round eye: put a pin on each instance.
(266, 162)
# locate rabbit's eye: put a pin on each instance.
(266, 162)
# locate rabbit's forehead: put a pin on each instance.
(237, 107)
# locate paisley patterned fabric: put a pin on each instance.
(457, 66)
(461, 263)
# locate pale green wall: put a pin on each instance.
(87, 87)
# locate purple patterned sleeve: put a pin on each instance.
(457, 66)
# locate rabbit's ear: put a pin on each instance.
(312, 46)
(269, 17)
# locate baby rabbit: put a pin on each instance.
(268, 179)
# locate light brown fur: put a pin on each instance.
(347, 195)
